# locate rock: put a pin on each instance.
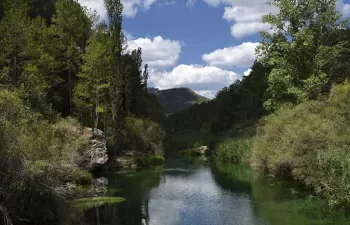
(203, 150)
(95, 155)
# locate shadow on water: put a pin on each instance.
(195, 191)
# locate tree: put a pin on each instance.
(116, 76)
(144, 79)
(13, 39)
(93, 79)
(70, 31)
(298, 50)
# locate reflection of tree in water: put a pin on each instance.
(280, 202)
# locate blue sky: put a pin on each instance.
(202, 44)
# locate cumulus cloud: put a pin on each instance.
(131, 7)
(237, 56)
(205, 80)
(157, 52)
(216, 3)
(246, 15)
(240, 30)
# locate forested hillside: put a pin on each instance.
(177, 99)
(62, 70)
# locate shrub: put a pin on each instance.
(37, 159)
(234, 150)
(144, 135)
(158, 160)
(310, 142)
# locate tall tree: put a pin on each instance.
(13, 39)
(116, 77)
(298, 50)
(70, 32)
(93, 79)
(144, 79)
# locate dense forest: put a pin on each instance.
(63, 70)
(289, 117)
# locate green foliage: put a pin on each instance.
(149, 161)
(302, 58)
(144, 135)
(234, 150)
(310, 142)
(37, 158)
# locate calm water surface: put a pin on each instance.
(188, 192)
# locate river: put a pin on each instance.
(196, 192)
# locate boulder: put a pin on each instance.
(96, 153)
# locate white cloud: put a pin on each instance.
(157, 52)
(207, 93)
(344, 8)
(237, 56)
(190, 3)
(240, 30)
(247, 72)
(206, 80)
(131, 7)
(247, 14)
(216, 3)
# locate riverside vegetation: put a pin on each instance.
(290, 116)
(61, 71)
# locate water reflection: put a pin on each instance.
(196, 192)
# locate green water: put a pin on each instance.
(189, 192)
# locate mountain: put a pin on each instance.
(176, 99)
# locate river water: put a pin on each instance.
(196, 192)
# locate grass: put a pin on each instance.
(234, 150)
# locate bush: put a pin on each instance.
(234, 150)
(144, 135)
(310, 142)
(37, 159)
